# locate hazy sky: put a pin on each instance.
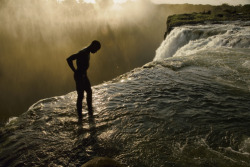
(211, 2)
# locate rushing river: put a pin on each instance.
(190, 106)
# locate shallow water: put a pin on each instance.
(179, 110)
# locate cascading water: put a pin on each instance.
(187, 40)
(188, 107)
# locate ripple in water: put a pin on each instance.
(190, 110)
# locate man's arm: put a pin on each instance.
(70, 62)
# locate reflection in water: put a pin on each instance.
(86, 145)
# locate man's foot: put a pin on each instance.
(79, 115)
(90, 112)
(79, 121)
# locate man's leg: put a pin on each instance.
(79, 89)
(80, 96)
(89, 101)
(89, 95)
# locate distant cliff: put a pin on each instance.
(215, 15)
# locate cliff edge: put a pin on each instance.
(216, 15)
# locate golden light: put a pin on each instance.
(89, 1)
(119, 1)
(118, 4)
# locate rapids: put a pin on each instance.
(188, 107)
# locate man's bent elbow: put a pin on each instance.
(69, 60)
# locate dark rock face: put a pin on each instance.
(217, 14)
(102, 162)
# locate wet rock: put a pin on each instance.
(102, 162)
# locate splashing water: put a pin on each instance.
(187, 40)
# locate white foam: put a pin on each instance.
(189, 40)
(246, 64)
(11, 119)
(245, 146)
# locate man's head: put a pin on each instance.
(94, 46)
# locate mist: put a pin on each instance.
(36, 37)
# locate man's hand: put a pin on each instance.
(70, 63)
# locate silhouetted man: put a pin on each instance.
(80, 75)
